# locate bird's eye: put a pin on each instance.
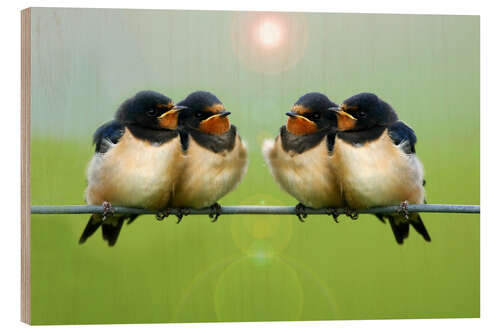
(198, 114)
(362, 114)
(151, 112)
(316, 115)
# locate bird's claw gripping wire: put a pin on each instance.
(403, 210)
(300, 211)
(333, 213)
(108, 210)
(181, 212)
(351, 213)
(163, 214)
(215, 211)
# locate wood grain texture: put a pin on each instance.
(25, 164)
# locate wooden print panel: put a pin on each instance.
(85, 62)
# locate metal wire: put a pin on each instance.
(258, 210)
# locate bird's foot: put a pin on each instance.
(353, 214)
(403, 210)
(181, 212)
(108, 210)
(163, 214)
(333, 213)
(215, 211)
(300, 211)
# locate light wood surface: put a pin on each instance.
(25, 164)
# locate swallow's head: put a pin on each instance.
(149, 109)
(363, 111)
(311, 113)
(204, 112)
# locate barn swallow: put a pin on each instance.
(301, 158)
(376, 161)
(136, 162)
(215, 155)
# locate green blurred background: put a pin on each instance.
(253, 268)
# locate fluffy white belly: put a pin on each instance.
(135, 173)
(208, 176)
(378, 173)
(308, 177)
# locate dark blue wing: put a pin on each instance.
(110, 132)
(399, 132)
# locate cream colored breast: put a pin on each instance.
(378, 173)
(135, 173)
(308, 177)
(208, 176)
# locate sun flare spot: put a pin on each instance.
(269, 43)
(269, 34)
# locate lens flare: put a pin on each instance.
(265, 293)
(269, 34)
(269, 43)
(264, 234)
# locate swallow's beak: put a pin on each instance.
(179, 107)
(296, 116)
(345, 114)
(341, 112)
(219, 115)
(172, 111)
(168, 120)
(345, 121)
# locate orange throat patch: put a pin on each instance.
(216, 125)
(345, 123)
(169, 121)
(300, 126)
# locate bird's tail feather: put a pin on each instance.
(110, 231)
(94, 223)
(110, 228)
(401, 226)
(418, 225)
(131, 218)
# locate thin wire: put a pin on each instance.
(258, 210)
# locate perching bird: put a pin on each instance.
(215, 155)
(301, 157)
(376, 161)
(137, 159)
